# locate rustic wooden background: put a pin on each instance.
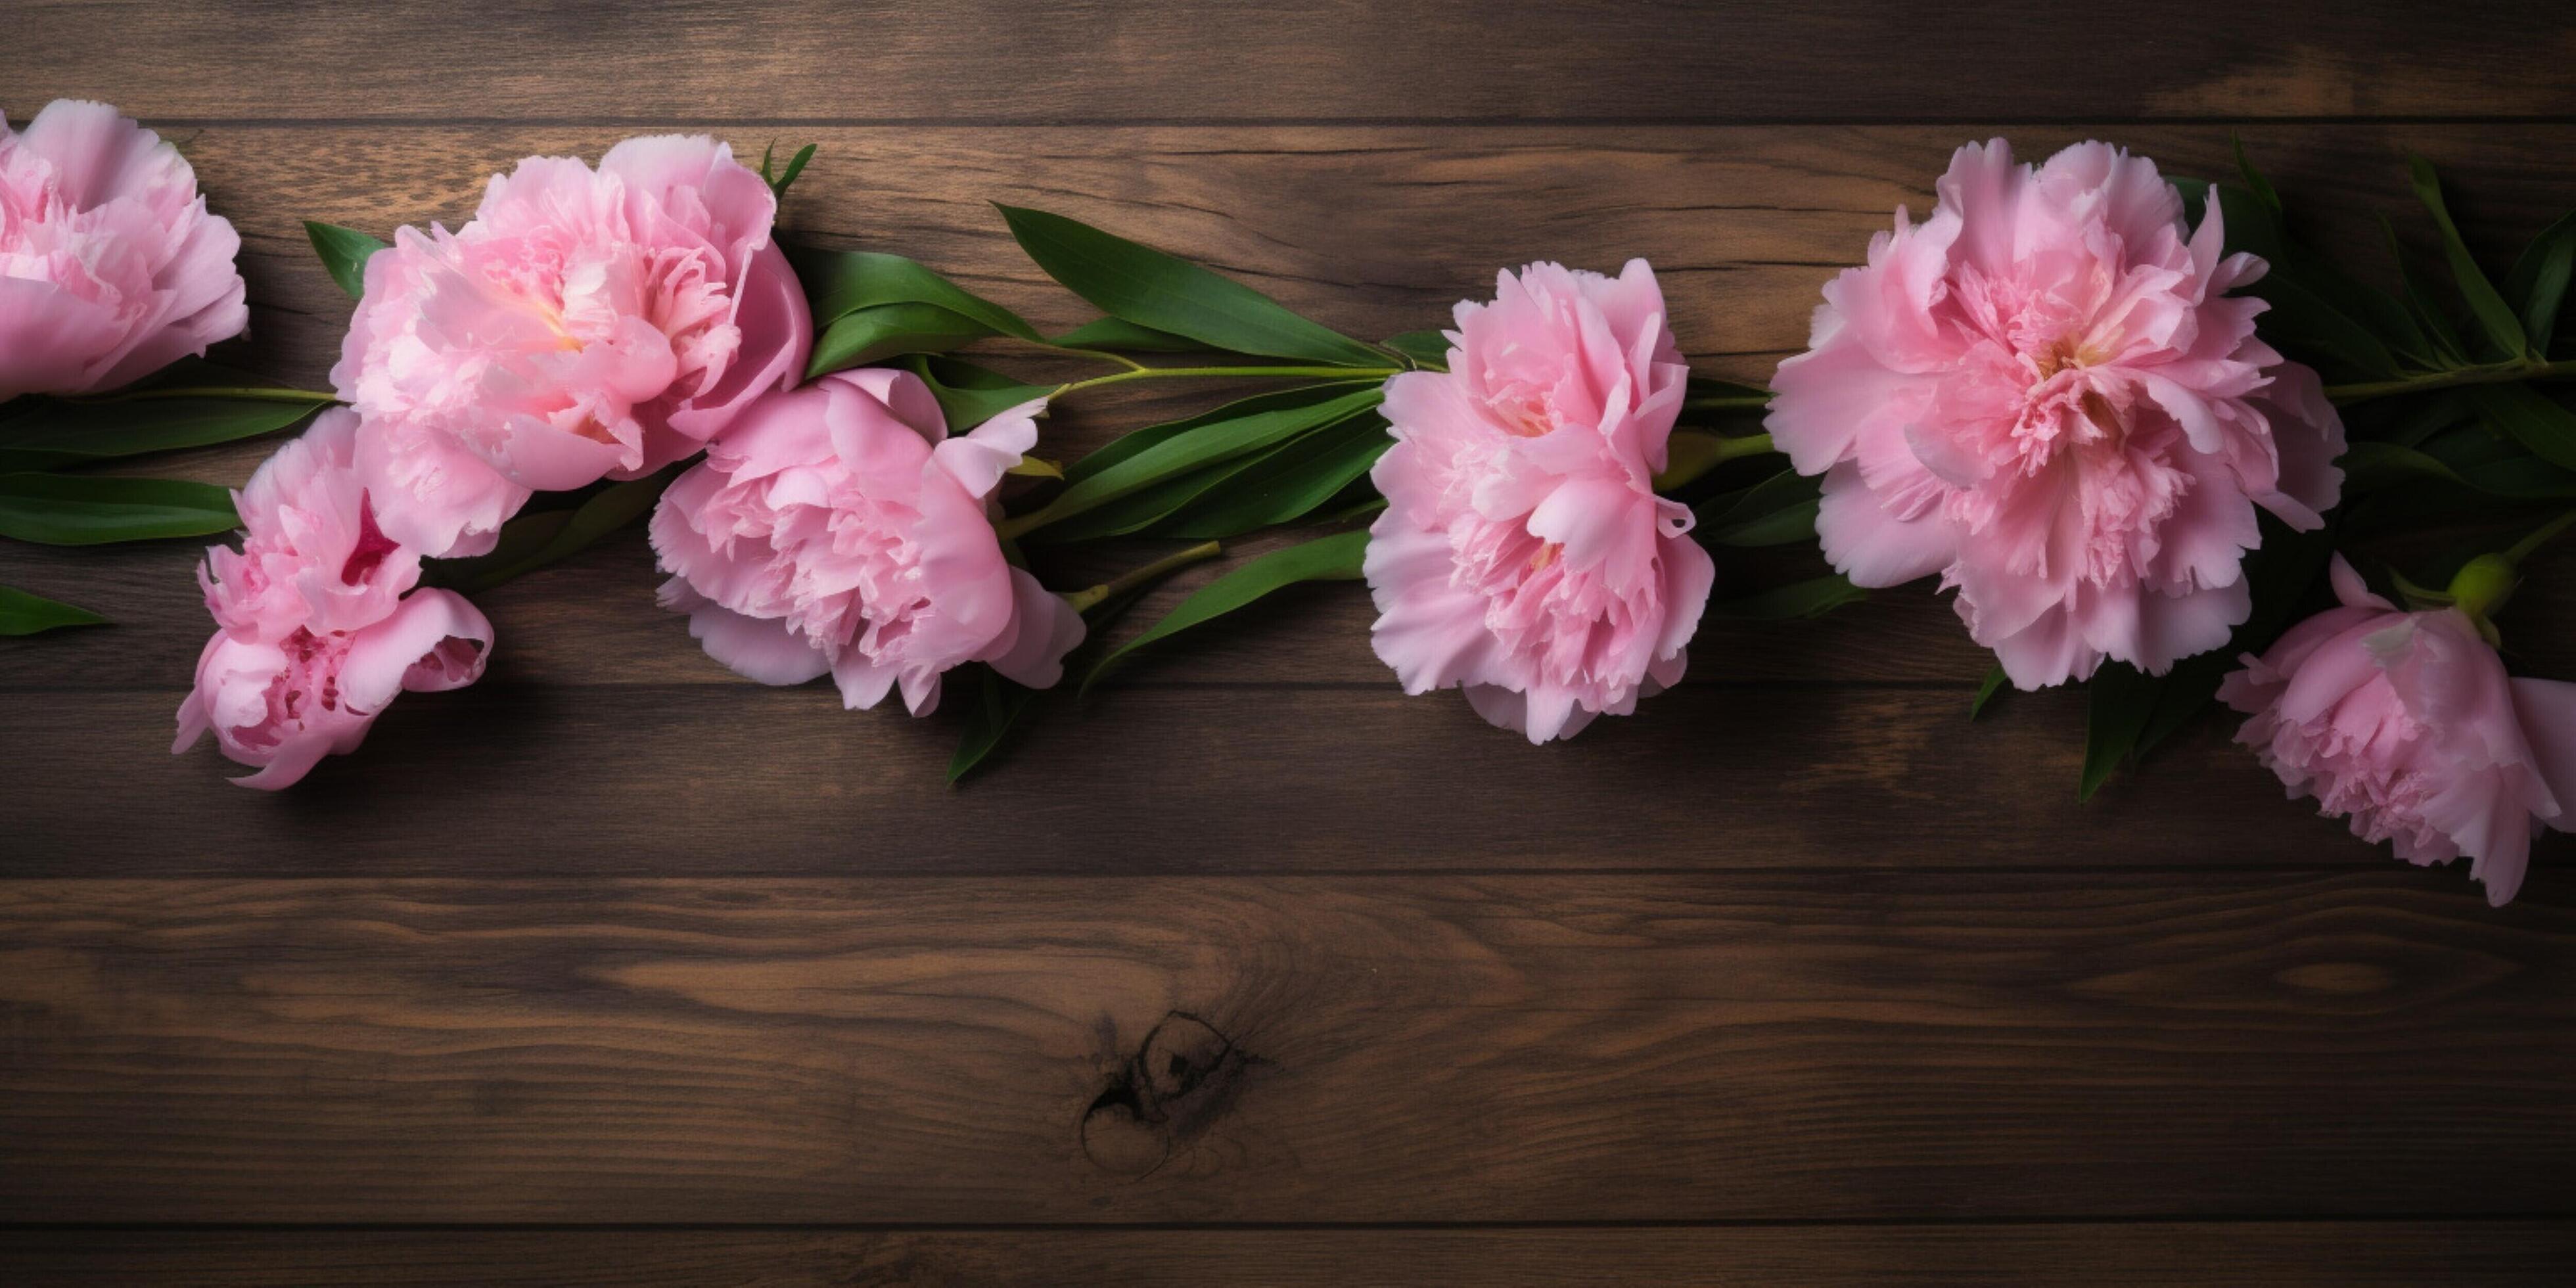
(618, 969)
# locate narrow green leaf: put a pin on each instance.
(1301, 476)
(1200, 446)
(344, 252)
(25, 614)
(2254, 180)
(2492, 312)
(968, 394)
(2539, 280)
(1790, 524)
(1994, 682)
(88, 510)
(2120, 701)
(1784, 490)
(1152, 289)
(1812, 598)
(2533, 418)
(1118, 335)
(1422, 348)
(533, 541)
(50, 433)
(868, 335)
(795, 166)
(1143, 511)
(2418, 298)
(1708, 393)
(1333, 558)
(997, 705)
(1130, 443)
(841, 282)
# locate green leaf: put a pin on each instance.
(2121, 700)
(533, 541)
(1130, 443)
(2419, 304)
(1143, 511)
(1995, 680)
(50, 433)
(868, 335)
(25, 614)
(88, 510)
(1421, 348)
(968, 394)
(998, 703)
(1120, 336)
(1290, 483)
(795, 166)
(1333, 558)
(1797, 599)
(1689, 455)
(2539, 280)
(2492, 312)
(2533, 418)
(2303, 323)
(1152, 289)
(344, 252)
(841, 282)
(2254, 180)
(1205, 444)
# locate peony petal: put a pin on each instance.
(762, 651)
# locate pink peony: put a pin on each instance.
(1523, 554)
(2407, 723)
(312, 556)
(838, 528)
(110, 267)
(284, 704)
(2044, 394)
(583, 325)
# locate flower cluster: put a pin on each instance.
(2060, 393)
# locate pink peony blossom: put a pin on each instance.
(583, 325)
(110, 267)
(2407, 723)
(284, 704)
(839, 528)
(1523, 554)
(2044, 394)
(312, 556)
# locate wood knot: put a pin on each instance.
(1180, 1079)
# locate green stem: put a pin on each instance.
(1102, 355)
(2491, 373)
(2522, 549)
(248, 393)
(1729, 402)
(1085, 600)
(1185, 373)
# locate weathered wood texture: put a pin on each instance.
(1099, 60)
(2400, 1254)
(1796, 977)
(1749, 1046)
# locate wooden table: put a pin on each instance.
(618, 969)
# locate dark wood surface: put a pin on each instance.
(617, 969)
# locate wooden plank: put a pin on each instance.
(1856, 1046)
(516, 780)
(1085, 60)
(2471, 1254)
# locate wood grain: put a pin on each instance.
(994, 61)
(2405, 1254)
(511, 780)
(1751, 1047)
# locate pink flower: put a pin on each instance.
(2407, 723)
(284, 704)
(839, 528)
(312, 556)
(110, 267)
(2044, 394)
(1523, 554)
(583, 325)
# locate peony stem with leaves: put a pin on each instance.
(2491, 373)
